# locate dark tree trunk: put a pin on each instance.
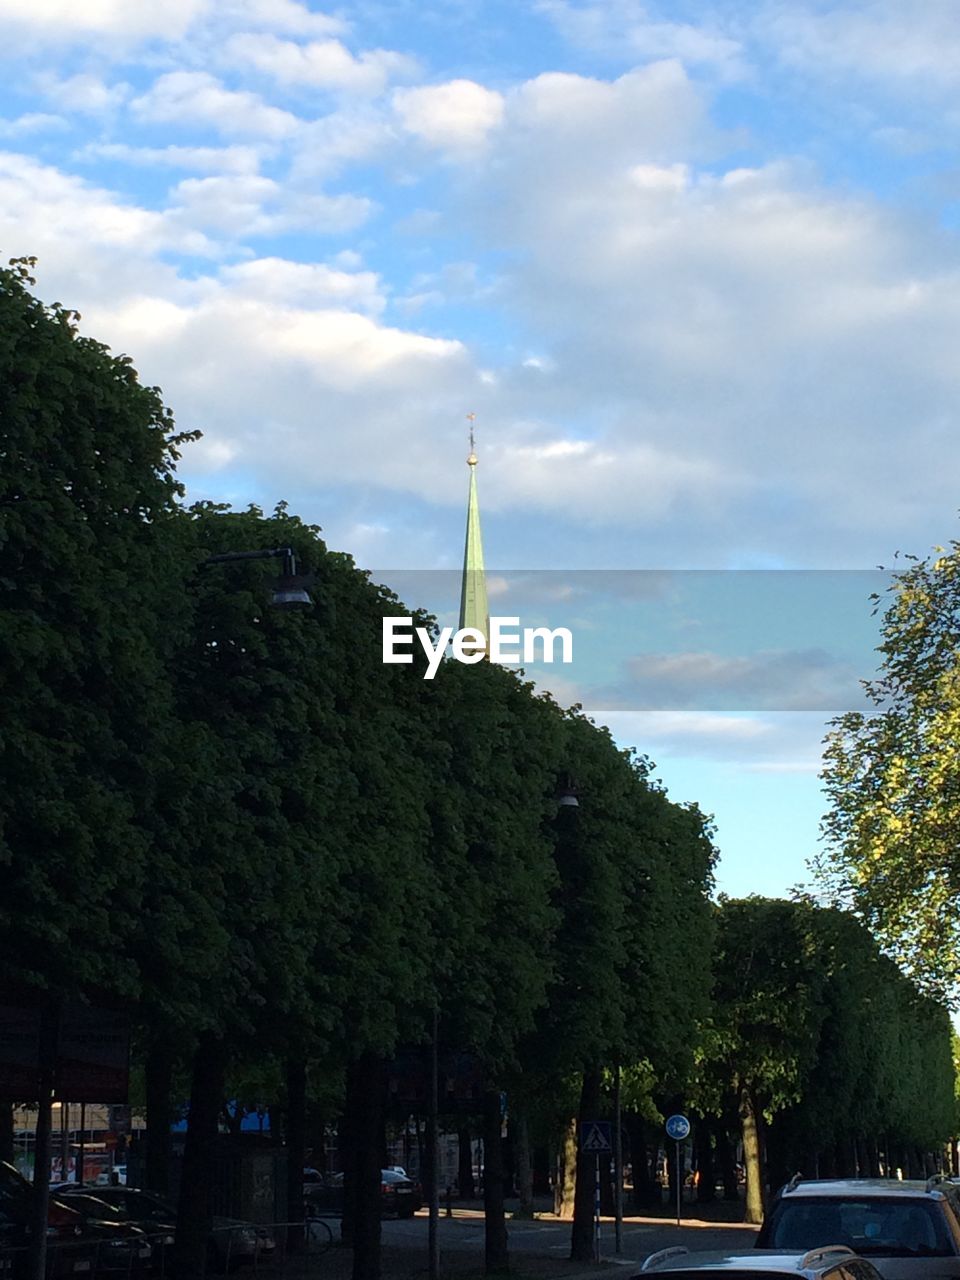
(541, 1171)
(194, 1208)
(871, 1157)
(6, 1132)
(751, 1156)
(465, 1186)
(779, 1152)
(366, 1129)
(159, 1085)
(523, 1166)
(296, 1125)
(581, 1237)
(847, 1156)
(726, 1158)
(496, 1258)
(566, 1182)
(706, 1167)
(647, 1192)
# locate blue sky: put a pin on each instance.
(694, 266)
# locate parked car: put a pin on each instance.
(398, 1194)
(69, 1250)
(231, 1243)
(121, 1244)
(908, 1230)
(833, 1263)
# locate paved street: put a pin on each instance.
(539, 1248)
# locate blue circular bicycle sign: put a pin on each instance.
(678, 1128)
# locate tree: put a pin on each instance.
(87, 504)
(893, 780)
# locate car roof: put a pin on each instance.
(852, 1187)
(789, 1261)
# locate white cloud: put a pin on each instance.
(285, 17)
(85, 93)
(310, 284)
(916, 45)
(350, 135)
(250, 206)
(634, 32)
(30, 123)
(234, 159)
(198, 99)
(61, 20)
(322, 64)
(453, 117)
(43, 209)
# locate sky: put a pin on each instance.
(694, 267)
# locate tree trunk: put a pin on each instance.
(496, 1259)
(194, 1208)
(751, 1157)
(523, 1165)
(581, 1237)
(159, 1084)
(6, 1132)
(726, 1155)
(565, 1185)
(368, 1091)
(465, 1186)
(644, 1150)
(296, 1126)
(706, 1167)
(541, 1170)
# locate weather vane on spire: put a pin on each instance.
(472, 460)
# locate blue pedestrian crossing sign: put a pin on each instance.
(595, 1136)
(678, 1127)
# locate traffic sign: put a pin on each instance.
(595, 1136)
(678, 1128)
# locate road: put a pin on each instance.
(547, 1237)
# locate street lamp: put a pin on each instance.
(290, 591)
(566, 793)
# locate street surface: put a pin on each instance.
(538, 1248)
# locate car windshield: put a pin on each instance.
(881, 1226)
(138, 1205)
(93, 1205)
(390, 1175)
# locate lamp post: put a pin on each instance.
(290, 591)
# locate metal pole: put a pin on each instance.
(82, 1145)
(596, 1211)
(41, 1180)
(64, 1141)
(433, 1241)
(617, 1165)
(678, 1182)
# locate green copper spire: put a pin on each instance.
(474, 611)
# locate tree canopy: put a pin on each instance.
(893, 780)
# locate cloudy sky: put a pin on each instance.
(694, 266)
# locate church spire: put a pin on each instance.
(474, 611)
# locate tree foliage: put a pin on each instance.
(893, 780)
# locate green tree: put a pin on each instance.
(88, 503)
(893, 780)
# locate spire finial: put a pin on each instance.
(472, 460)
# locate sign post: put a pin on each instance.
(678, 1128)
(595, 1140)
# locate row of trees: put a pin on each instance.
(833, 1062)
(283, 847)
(295, 859)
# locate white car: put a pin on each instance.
(832, 1263)
(908, 1230)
